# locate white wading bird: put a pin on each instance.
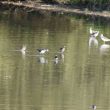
(93, 42)
(94, 33)
(105, 39)
(23, 49)
(62, 49)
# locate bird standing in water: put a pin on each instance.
(23, 49)
(105, 39)
(62, 49)
(56, 59)
(93, 33)
(42, 51)
(94, 107)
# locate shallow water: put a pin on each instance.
(30, 81)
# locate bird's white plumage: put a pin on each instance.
(105, 39)
(42, 51)
(62, 49)
(94, 33)
(23, 48)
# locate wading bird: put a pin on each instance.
(93, 107)
(56, 59)
(23, 49)
(105, 39)
(62, 49)
(94, 33)
(42, 51)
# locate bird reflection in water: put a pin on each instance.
(62, 57)
(42, 60)
(104, 49)
(93, 42)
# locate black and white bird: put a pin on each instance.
(56, 59)
(42, 51)
(93, 33)
(93, 107)
(105, 39)
(23, 49)
(62, 49)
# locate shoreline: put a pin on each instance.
(48, 8)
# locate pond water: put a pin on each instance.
(30, 81)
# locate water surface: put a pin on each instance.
(31, 81)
